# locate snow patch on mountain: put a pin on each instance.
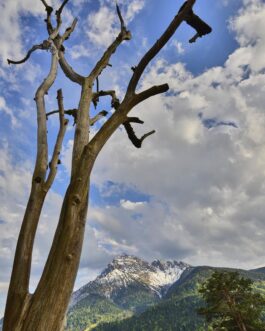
(126, 270)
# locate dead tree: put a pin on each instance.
(44, 310)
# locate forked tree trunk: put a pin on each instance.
(57, 281)
(45, 309)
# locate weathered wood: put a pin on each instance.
(18, 294)
(45, 309)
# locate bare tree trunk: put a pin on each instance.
(57, 281)
(45, 309)
(19, 294)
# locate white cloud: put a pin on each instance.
(14, 182)
(102, 28)
(4, 108)
(126, 204)
(11, 36)
(13, 33)
(211, 181)
(103, 25)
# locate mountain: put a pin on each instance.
(134, 295)
(259, 270)
(177, 310)
(127, 286)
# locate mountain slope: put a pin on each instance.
(177, 310)
(127, 286)
(259, 270)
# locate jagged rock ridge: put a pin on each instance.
(128, 271)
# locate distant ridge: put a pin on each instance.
(259, 270)
(134, 295)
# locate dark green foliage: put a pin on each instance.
(231, 303)
(259, 270)
(176, 312)
(95, 309)
(135, 298)
(92, 310)
(169, 315)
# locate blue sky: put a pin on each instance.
(195, 191)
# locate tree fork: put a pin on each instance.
(45, 308)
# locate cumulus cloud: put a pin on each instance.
(211, 181)
(4, 108)
(12, 38)
(14, 181)
(103, 25)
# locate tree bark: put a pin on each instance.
(45, 309)
(57, 281)
(236, 315)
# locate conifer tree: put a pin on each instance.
(231, 304)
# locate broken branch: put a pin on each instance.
(49, 11)
(130, 99)
(120, 16)
(58, 12)
(45, 45)
(137, 142)
(73, 113)
(135, 120)
(58, 144)
(115, 102)
(158, 45)
(104, 61)
(69, 30)
(96, 118)
(152, 91)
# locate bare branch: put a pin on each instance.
(134, 120)
(159, 44)
(54, 35)
(45, 4)
(22, 263)
(137, 142)
(152, 91)
(115, 102)
(49, 11)
(68, 70)
(73, 113)
(97, 83)
(58, 12)
(120, 16)
(147, 135)
(44, 45)
(104, 61)
(69, 30)
(58, 144)
(70, 112)
(130, 100)
(42, 149)
(96, 118)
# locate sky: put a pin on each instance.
(195, 191)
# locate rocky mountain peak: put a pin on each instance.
(167, 265)
(126, 272)
(125, 263)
